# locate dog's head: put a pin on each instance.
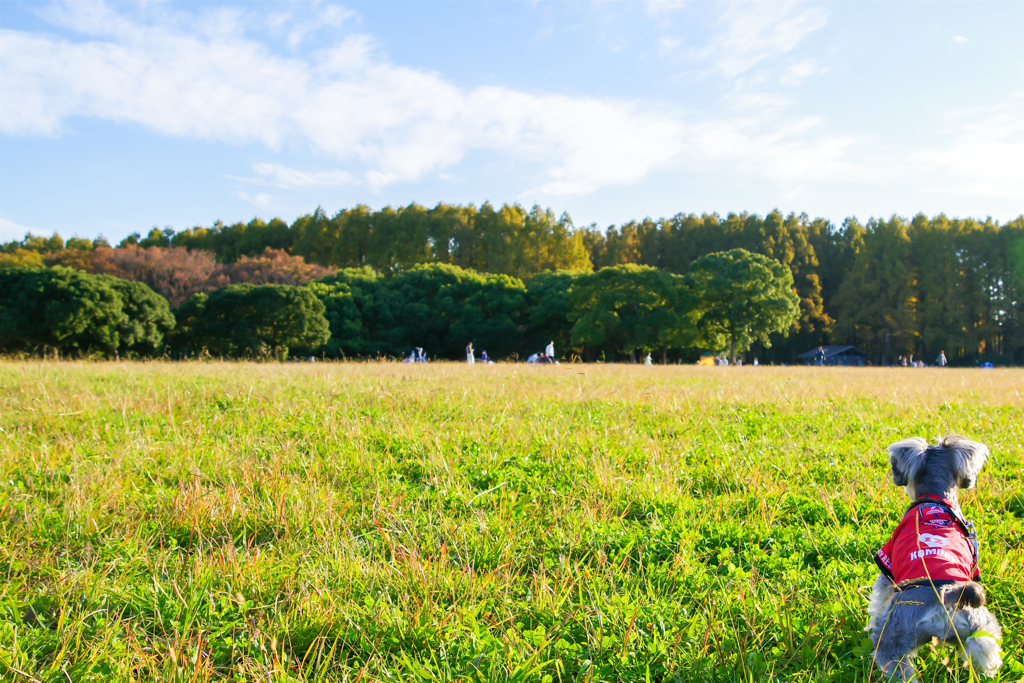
(952, 462)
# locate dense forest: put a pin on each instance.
(923, 284)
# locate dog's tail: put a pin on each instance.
(966, 594)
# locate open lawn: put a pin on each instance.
(343, 522)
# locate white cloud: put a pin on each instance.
(959, 39)
(261, 199)
(382, 123)
(388, 123)
(755, 31)
(668, 43)
(796, 73)
(661, 8)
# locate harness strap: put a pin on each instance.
(925, 583)
(966, 527)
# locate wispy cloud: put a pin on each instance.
(981, 152)
(959, 40)
(661, 8)
(751, 32)
(797, 73)
(262, 200)
(287, 178)
(668, 44)
(296, 30)
(9, 230)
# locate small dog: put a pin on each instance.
(929, 586)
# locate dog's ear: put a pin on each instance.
(906, 458)
(969, 457)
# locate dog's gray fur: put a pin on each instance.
(901, 622)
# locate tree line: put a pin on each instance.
(892, 286)
(726, 301)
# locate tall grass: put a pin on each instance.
(344, 522)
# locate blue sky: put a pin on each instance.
(118, 117)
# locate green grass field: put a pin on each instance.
(344, 522)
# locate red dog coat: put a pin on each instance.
(932, 543)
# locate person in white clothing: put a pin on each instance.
(549, 351)
(469, 353)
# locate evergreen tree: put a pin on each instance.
(878, 300)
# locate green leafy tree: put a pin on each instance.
(74, 312)
(147, 318)
(20, 258)
(443, 307)
(255, 321)
(489, 309)
(437, 306)
(548, 309)
(741, 298)
(362, 312)
(629, 307)
(157, 238)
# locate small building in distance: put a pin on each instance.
(836, 355)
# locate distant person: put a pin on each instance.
(903, 361)
(469, 353)
(819, 356)
(755, 362)
(421, 356)
(647, 361)
(739, 361)
(534, 357)
(941, 360)
(549, 351)
(483, 355)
